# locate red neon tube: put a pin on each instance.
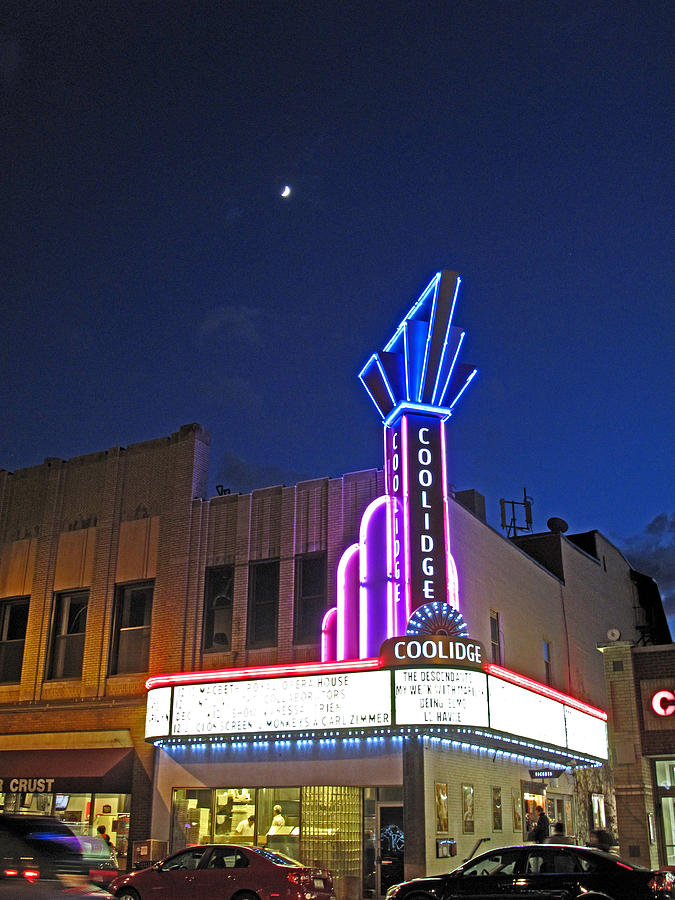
(277, 671)
(544, 689)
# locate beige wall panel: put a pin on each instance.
(75, 559)
(16, 568)
(265, 540)
(137, 553)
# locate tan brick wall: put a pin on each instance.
(633, 782)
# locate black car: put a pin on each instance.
(539, 871)
(42, 852)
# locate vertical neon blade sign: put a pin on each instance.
(421, 566)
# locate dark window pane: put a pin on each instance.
(13, 623)
(17, 620)
(11, 660)
(218, 602)
(310, 597)
(134, 646)
(263, 603)
(137, 606)
(67, 656)
(131, 632)
(77, 615)
(67, 646)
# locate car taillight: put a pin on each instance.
(9, 873)
(31, 875)
(661, 883)
(299, 877)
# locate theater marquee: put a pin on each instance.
(411, 686)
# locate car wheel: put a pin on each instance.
(127, 893)
(245, 895)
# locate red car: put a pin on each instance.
(227, 872)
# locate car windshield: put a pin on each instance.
(279, 858)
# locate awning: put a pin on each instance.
(66, 771)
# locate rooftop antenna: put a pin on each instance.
(513, 524)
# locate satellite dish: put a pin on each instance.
(557, 526)
(613, 634)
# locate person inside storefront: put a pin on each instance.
(558, 835)
(246, 827)
(224, 816)
(102, 833)
(541, 828)
(278, 821)
(601, 840)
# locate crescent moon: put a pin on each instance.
(286, 191)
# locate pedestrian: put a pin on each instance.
(558, 835)
(601, 840)
(541, 827)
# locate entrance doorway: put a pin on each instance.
(532, 798)
(391, 849)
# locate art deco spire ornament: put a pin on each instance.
(402, 563)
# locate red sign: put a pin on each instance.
(663, 703)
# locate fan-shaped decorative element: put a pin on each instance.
(437, 618)
(418, 370)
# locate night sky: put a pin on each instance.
(153, 275)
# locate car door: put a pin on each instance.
(225, 871)
(551, 871)
(490, 876)
(174, 879)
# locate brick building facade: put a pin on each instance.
(640, 682)
(115, 567)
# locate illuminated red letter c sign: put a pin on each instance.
(663, 703)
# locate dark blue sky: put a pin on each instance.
(152, 275)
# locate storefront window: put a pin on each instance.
(191, 819)
(244, 825)
(278, 816)
(665, 773)
(668, 807)
(665, 779)
(318, 825)
(82, 813)
(112, 811)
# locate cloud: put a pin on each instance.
(243, 475)
(237, 321)
(653, 553)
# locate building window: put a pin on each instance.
(13, 622)
(547, 662)
(263, 603)
(218, 601)
(67, 644)
(310, 597)
(495, 637)
(131, 628)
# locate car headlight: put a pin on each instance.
(393, 892)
